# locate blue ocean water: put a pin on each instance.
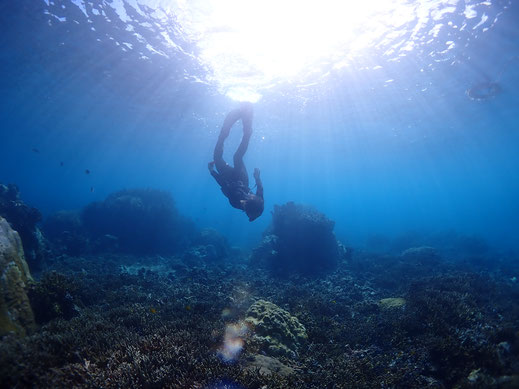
(384, 142)
(386, 133)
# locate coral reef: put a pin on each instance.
(152, 321)
(300, 241)
(137, 221)
(23, 219)
(15, 311)
(275, 331)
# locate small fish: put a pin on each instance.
(61, 164)
(188, 307)
(35, 150)
(87, 171)
(91, 189)
(153, 310)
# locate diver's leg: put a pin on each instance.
(239, 165)
(231, 118)
(246, 118)
(218, 155)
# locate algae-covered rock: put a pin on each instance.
(392, 303)
(276, 331)
(268, 366)
(15, 310)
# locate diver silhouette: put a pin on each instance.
(489, 88)
(234, 180)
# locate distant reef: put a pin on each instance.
(130, 221)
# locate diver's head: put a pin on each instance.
(253, 207)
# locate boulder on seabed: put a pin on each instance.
(16, 315)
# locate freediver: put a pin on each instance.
(234, 180)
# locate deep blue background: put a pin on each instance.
(376, 157)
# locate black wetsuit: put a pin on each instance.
(233, 180)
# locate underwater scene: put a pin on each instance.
(246, 194)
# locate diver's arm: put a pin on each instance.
(214, 173)
(259, 185)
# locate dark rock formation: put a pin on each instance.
(300, 240)
(23, 219)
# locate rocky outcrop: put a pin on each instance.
(15, 310)
(24, 220)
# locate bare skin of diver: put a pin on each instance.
(234, 180)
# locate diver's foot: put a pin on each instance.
(246, 110)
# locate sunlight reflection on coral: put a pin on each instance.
(233, 341)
